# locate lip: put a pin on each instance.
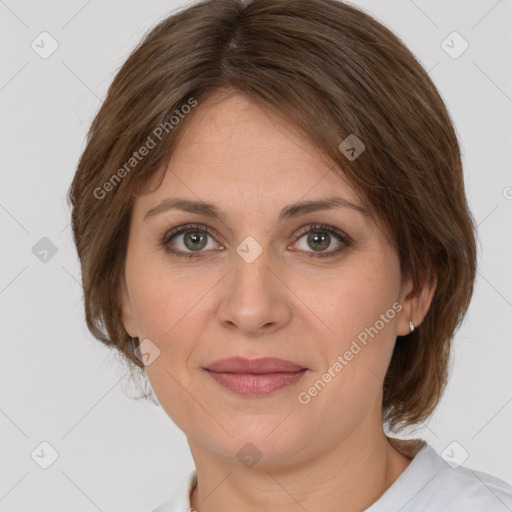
(255, 377)
(260, 365)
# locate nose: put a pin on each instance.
(254, 298)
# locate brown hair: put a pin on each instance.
(332, 71)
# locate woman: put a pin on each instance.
(272, 224)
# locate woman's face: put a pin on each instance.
(257, 285)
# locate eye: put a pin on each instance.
(190, 239)
(321, 237)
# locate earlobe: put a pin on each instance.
(415, 307)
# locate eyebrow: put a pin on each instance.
(288, 212)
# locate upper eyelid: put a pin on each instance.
(180, 230)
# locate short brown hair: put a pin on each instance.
(332, 71)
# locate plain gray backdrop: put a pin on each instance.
(61, 387)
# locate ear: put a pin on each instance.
(415, 305)
(128, 316)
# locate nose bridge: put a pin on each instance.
(251, 274)
(253, 297)
(250, 264)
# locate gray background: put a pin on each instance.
(61, 386)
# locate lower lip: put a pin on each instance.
(256, 384)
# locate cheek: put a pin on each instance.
(163, 298)
(166, 310)
(350, 386)
(358, 348)
(361, 300)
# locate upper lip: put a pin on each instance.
(260, 365)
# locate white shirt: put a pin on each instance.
(427, 484)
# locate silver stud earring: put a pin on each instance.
(411, 326)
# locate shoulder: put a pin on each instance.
(430, 483)
(180, 501)
(467, 489)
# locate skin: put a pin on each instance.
(330, 454)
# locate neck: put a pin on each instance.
(348, 477)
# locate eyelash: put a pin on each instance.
(340, 236)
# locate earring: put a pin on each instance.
(411, 326)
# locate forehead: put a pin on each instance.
(233, 150)
(241, 137)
